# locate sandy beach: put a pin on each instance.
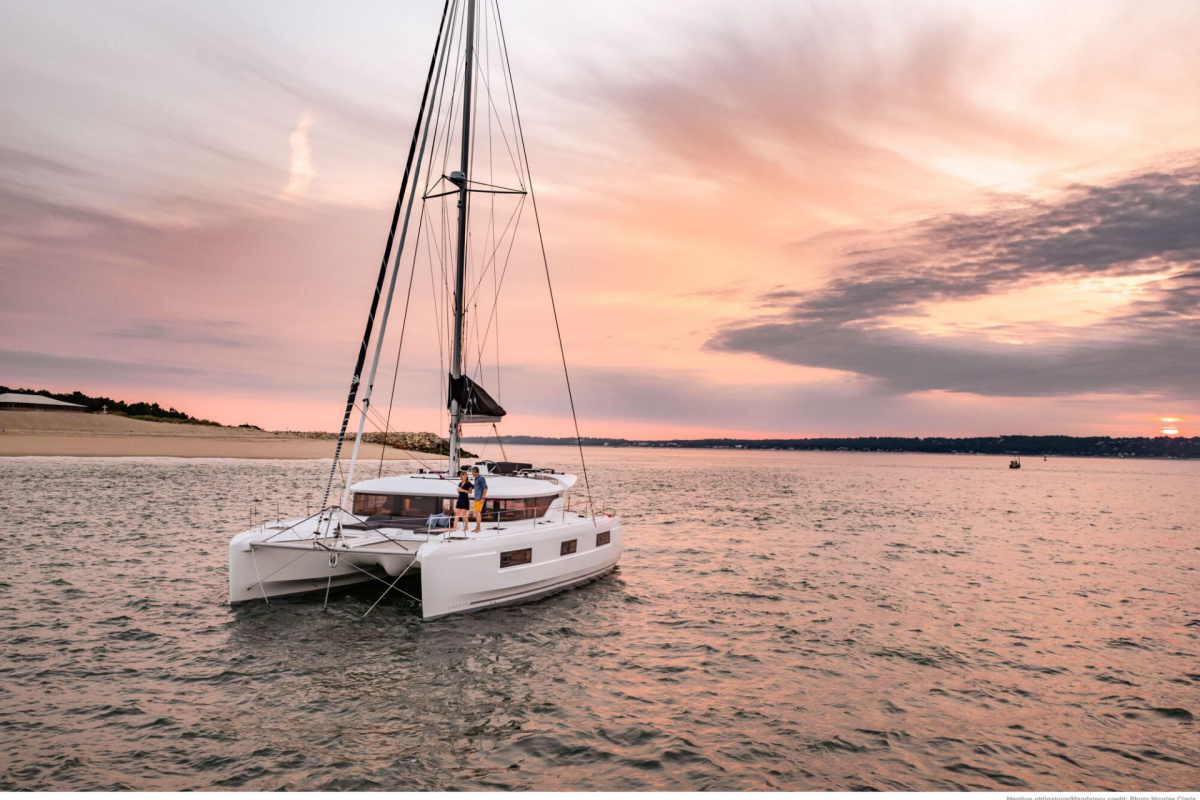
(39, 433)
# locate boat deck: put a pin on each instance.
(359, 538)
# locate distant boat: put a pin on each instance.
(532, 543)
(1015, 463)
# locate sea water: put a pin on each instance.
(778, 621)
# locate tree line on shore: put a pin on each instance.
(137, 410)
(412, 442)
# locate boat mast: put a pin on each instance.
(460, 180)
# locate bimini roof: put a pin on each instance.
(500, 487)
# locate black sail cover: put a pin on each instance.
(474, 404)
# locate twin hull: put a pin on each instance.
(457, 575)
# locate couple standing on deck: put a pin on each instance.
(470, 498)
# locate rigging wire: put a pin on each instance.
(512, 158)
(545, 258)
(412, 273)
(496, 302)
(492, 206)
(514, 216)
(423, 122)
(387, 255)
(499, 442)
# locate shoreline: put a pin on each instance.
(135, 446)
(36, 433)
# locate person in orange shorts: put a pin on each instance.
(481, 492)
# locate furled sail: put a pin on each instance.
(474, 404)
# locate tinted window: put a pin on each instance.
(514, 557)
(397, 505)
(568, 547)
(602, 538)
(520, 508)
(366, 505)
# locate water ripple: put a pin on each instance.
(779, 621)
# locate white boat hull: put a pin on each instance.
(458, 575)
(288, 573)
(290, 558)
(464, 576)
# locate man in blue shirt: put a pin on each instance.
(481, 492)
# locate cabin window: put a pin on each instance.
(517, 509)
(602, 538)
(366, 505)
(514, 557)
(568, 547)
(397, 505)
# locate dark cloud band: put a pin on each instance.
(1147, 224)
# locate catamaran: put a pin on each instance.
(535, 539)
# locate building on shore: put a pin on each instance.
(35, 402)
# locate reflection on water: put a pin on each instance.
(779, 620)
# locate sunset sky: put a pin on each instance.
(762, 218)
